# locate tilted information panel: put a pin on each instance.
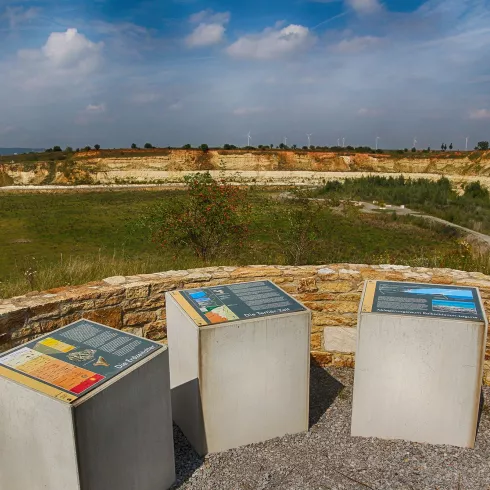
(219, 304)
(430, 300)
(75, 359)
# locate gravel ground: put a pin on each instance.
(326, 457)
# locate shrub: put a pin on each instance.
(212, 221)
(148, 145)
(301, 230)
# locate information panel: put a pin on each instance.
(404, 298)
(75, 359)
(207, 306)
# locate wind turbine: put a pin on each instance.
(338, 141)
(249, 138)
(285, 141)
(467, 138)
(414, 143)
(309, 141)
(377, 138)
(343, 142)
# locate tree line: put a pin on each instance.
(481, 146)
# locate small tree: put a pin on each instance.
(212, 220)
(134, 146)
(68, 149)
(482, 145)
(204, 147)
(87, 148)
(187, 146)
(97, 147)
(148, 146)
(451, 146)
(414, 149)
(57, 148)
(442, 147)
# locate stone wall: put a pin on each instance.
(136, 304)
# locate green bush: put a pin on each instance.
(213, 220)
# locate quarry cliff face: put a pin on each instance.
(160, 166)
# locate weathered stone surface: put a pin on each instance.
(441, 280)
(26, 331)
(341, 306)
(107, 316)
(315, 306)
(340, 339)
(109, 300)
(316, 296)
(12, 321)
(321, 358)
(336, 286)
(323, 319)
(137, 291)
(197, 277)
(316, 341)
(69, 307)
(256, 271)
(326, 274)
(116, 280)
(44, 310)
(350, 296)
(155, 330)
(307, 285)
(134, 330)
(139, 318)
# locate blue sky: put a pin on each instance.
(197, 71)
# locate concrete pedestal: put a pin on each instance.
(239, 364)
(419, 363)
(86, 408)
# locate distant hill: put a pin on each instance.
(11, 151)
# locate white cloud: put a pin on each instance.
(19, 15)
(365, 6)
(211, 29)
(70, 49)
(356, 44)
(66, 58)
(95, 108)
(272, 43)
(247, 111)
(480, 114)
(205, 35)
(210, 17)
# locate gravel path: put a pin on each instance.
(327, 457)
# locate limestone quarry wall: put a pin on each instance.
(121, 167)
(137, 303)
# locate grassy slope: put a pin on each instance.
(92, 234)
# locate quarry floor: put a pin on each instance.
(327, 457)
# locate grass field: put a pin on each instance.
(74, 238)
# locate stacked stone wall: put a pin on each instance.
(136, 304)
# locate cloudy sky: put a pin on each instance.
(208, 71)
